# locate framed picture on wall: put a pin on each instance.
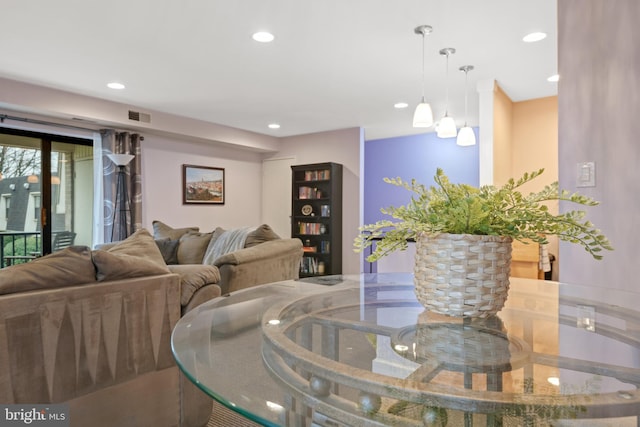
(202, 185)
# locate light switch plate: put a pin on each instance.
(586, 174)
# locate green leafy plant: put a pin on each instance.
(488, 210)
(21, 246)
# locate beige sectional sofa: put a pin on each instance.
(264, 257)
(92, 327)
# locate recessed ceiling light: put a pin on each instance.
(400, 105)
(534, 37)
(263, 37)
(274, 126)
(115, 85)
(554, 78)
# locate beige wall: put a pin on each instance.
(535, 140)
(345, 147)
(526, 139)
(535, 146)
(162, 160)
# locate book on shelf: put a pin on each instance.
(305, 192)
(317, 175)
(310, 228)
(309, 265)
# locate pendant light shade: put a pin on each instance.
(466, 136)
(423, 116)
(447, 126)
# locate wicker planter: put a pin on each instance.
(462, 275)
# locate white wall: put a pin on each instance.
(345, 147)
(162, 161)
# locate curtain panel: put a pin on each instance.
(114, 142)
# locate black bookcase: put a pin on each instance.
(316, 217)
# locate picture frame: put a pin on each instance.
(203, 185)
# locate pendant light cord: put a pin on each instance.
(466, 94)
(466, 69)
(423, 66)
(446, 110)
(446, 52)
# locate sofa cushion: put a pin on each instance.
(163, 231)
(262, 234)
(136, 256)
(194, 277)
(192, 247)
(169, 250)
(68, 267)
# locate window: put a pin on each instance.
(48, 177)
(36, 207)
(7, 206)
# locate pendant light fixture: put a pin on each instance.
(423, 116)
(447, 126)
(466, 136)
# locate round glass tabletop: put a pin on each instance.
(360, 350)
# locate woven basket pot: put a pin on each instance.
(462, 275)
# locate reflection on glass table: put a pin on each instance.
(360, 350)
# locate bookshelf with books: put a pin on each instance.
(316, 217)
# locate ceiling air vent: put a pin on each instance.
(139, 117)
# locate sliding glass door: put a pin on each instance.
(46, 193)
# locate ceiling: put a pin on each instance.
(333, 64)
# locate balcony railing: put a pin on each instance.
(19, 243)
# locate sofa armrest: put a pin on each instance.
(260, 252)
(267, 262)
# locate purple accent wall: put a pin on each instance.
(414, 156)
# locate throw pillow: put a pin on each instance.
(68, 267)
(163, 231)
(169, 250)
(136, 256)
(192, 247)
(262, 234)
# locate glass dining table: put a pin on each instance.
(360, 350)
